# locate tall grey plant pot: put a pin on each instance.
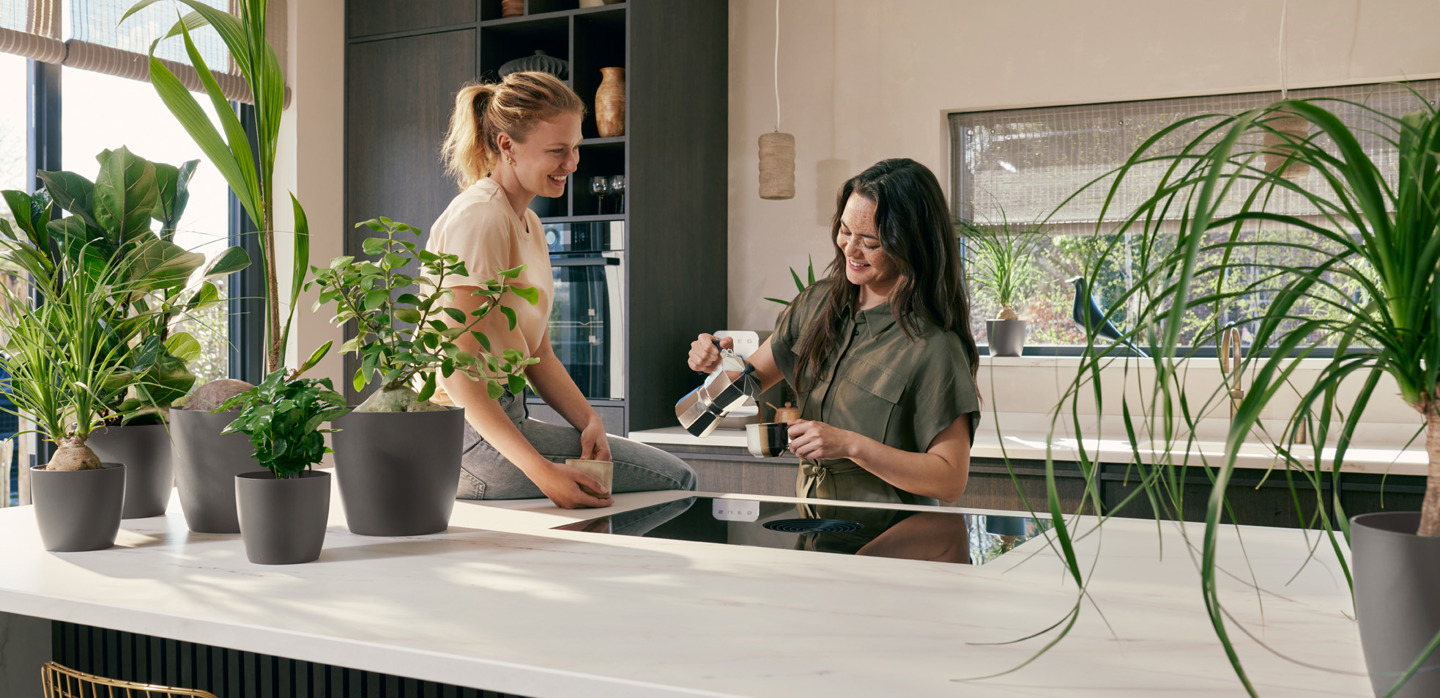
(1397, 576)
(398, 470)
(282, 522)
(78, 509)
(1006, 337)
(145, 452)
(206, 463)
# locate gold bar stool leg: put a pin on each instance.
(64, 682)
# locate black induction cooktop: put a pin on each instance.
(851, 529)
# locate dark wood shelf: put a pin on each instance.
(611, 141)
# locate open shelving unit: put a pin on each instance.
(404, 63)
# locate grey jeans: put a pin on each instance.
(485, 474)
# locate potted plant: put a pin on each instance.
(1004, 267)
(63, 357)
(205, 460)
(283, 509)
(397, 456)
(110, 232)
(1357, 267)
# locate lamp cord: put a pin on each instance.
(777, 65)
(1284, 81)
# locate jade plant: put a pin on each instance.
(282, 416)
(111, 239)
(405, 332)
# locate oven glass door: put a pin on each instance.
(587, 326)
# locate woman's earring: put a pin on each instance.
(511, 161)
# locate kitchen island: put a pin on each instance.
(502, 601)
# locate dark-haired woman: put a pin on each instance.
(508, 143)
(879, 352)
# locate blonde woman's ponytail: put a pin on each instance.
(467, 156)
(483, 111)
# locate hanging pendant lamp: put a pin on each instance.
(777, 150)
(1287, 128)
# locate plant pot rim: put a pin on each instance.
(269, 476)
(104, 465)
(1375, 520)
(448, 408)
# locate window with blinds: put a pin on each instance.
(89, 35)
(1026, 166)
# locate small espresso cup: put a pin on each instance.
(767, 439)
(602, 470)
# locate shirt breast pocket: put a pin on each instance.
(869, 399)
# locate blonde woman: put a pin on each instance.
(508, 143)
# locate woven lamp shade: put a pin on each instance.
(777, 166)
(1278, 147)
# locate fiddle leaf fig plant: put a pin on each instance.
(405, 331)
(110, 239)
(282, 416)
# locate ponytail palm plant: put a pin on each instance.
(1343, 255)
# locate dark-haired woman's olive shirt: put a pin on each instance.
(878, 382)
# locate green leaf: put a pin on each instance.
(375, 299)
(231, 260)
(509, 315)
(183, 346)
(517, 384)
(427, 389)
(205, 295)
(512, 273)
(315, 357)
(494, 390)
(374, 247)
(71, 192)
(409, 315)
(531, 295)
(340, 263)
(394, 261)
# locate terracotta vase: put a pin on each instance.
(610, 103)
(512, 8)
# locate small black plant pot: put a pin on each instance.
(206, 463)
(398, 470)
(282, 521)
(1396, 576)
(78, 509)
(145, 452)
(1007, 337)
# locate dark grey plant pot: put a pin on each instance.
(206, 463)
(282, 521)
(78, 509)
(1007, 337)
(398, 470)
(145, 452)
(1397, 574)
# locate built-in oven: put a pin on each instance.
(587, 323)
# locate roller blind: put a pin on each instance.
(93, 39)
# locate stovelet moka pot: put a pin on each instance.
(701, 410)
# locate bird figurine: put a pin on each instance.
(1088, 315)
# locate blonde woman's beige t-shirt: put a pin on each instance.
(481, 228)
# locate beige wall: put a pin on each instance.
(863, 80)
(311, 160)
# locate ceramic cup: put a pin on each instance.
(602, 470)
(767, 439)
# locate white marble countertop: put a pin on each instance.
(500, 601)
(1029, 441)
